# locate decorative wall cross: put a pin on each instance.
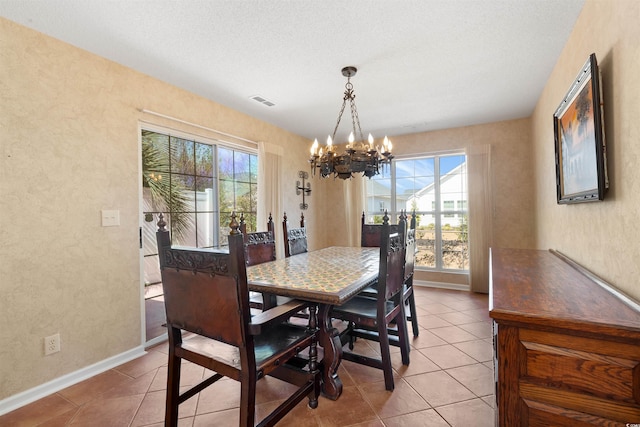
(302, 189)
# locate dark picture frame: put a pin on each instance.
(581, 166)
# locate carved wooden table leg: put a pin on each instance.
(330, 342)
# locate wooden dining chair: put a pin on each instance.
(207, 300)
(371, 318)
(370, 235)
(295, 239)
(259, 247)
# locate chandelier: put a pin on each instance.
(359, 156)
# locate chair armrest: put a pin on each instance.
(277, 314)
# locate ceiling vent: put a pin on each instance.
(261, 100)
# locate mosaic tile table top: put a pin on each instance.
(330, 275)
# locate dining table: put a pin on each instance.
(328, 277)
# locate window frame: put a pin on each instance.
(217, 240)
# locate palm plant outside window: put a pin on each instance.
(435, 187)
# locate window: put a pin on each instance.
(238, 191)
(436, 188)
(196, 185)
(447, 206)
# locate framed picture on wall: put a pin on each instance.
(581, 156)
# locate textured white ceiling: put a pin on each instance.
(422, 64)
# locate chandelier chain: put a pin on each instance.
(344, 103)
(355, 119)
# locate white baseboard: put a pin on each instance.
(441, 285)
(28, 396)
(157, 340)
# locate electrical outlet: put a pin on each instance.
(51, 344)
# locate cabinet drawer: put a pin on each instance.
(588, 376)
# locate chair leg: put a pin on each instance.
(173, 381)
(268, 301)
(386, 356)
(352, 339)
(403, 335)
(248, 400)
(313, 360)
(414, 315)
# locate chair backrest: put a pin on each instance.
(392, 260)
(371, 233)
(206, 291)
(411, 248)
(295, 239)
(260, 246)
(243, 225)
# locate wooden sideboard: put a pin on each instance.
(566, 344)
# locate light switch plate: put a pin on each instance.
(110, 218)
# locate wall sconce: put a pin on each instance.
(303, 189)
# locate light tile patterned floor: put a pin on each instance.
(449, 382)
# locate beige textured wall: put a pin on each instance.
(512, 178)
(69, 148)
(602, 236)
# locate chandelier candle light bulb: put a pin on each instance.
(358, 156)
(386, 145)
(351, 139)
